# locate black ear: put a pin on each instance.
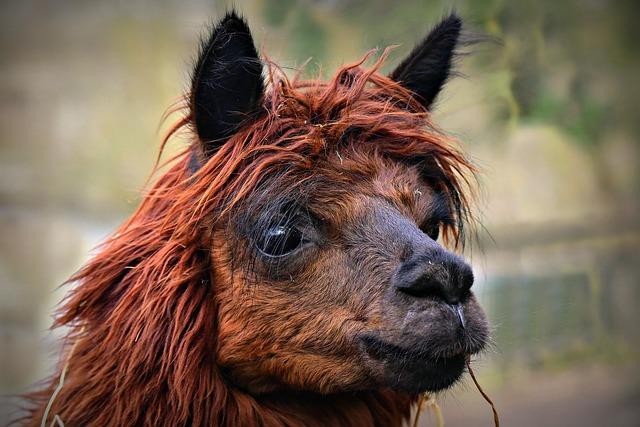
(226, 85)
(427, 67)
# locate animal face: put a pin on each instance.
(353, 275)
(331, 271)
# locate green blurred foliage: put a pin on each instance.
(555, 58)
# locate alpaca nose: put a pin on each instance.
(435, 273)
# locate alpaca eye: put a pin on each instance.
(432, 230)
(280, 240)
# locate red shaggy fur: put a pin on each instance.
(143, 313)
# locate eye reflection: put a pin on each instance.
(280, 240)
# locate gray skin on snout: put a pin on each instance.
(432, 319)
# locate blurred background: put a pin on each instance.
(548, 111)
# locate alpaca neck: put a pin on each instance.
(365, 408)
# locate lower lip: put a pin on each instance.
(422, 372)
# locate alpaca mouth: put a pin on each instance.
(410, 370)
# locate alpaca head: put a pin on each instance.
(337, 203)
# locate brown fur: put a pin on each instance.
(175, 322)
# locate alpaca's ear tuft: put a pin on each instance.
(227, 84)
(426, 69)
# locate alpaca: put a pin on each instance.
(294, 266)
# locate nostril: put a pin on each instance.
(428, 284)
(423, 279)
(439, 275)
